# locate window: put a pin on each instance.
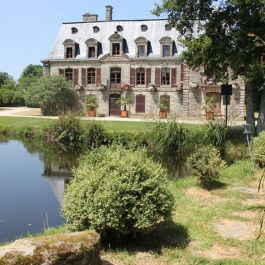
(91, 52)
(69, 74)
(144, 28)
(116, 49)
(115, 76)
(166, 47)
(119, 28)
(91, 76)
(69, 52)
(168, 27)
(166, 50)
(140, 104)
(140, 76)
(165, 76)
(74, 30)
(141, 51)
(95, 29)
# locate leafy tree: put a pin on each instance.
(216, 34)
(4, 77)
(29, 75)
(54, 94)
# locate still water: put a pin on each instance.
(31, 191)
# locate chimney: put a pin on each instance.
(87, 17)
(109, 10)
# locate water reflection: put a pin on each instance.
(32, 183)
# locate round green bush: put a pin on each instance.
(117, 191)
(205, 163)
(259, 149)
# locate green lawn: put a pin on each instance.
(191, 238)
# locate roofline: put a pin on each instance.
(119, 20)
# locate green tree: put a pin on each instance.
(216, 34)
(54, 94)
(5, 77)
(29, 75)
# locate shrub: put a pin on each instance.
(167, 137)
(117, 191)
(215, 133)
(205, 163)
(67, 132)
(259, 149)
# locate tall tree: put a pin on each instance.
(216, 36)
(5, 78)
(29, 75)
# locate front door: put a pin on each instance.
(114, 105)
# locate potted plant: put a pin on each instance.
(125, 86)
(91, 105)
(124, 101)
(164, 104)
(210, 105)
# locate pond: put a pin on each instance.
(31, 191)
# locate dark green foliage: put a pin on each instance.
(205, 163)
(215, 133)
(259, 149)
(94, 134)
(55, 96)
(118, 191)
(167, 137)
(67, 132)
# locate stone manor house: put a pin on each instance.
(140, 57)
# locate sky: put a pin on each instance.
(28, 28)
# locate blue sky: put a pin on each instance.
(29, 27)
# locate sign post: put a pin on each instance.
(226, 90)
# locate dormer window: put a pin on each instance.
(166, 47)
(116, 49)
(144, 28)
(92, 48)
(119, 28)
(141, 51)
(141, 47)
(95, 29)
(166, 50)
(168, 27)
(74, 30)
(69, 49)
(116, 44)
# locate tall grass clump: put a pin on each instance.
(215, 133)
(94, 134)
(67, 132)
(117, 192)
(168, 137)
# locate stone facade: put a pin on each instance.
(150, 45)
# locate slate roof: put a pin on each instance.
(131, 31)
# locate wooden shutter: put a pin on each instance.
(98, 76)
(61, 71)
(173, 77)
(76, 72)
(182, 72)
(148, 76)
(140, 104)
(84, 77)
(158, 77)
(132, 77)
